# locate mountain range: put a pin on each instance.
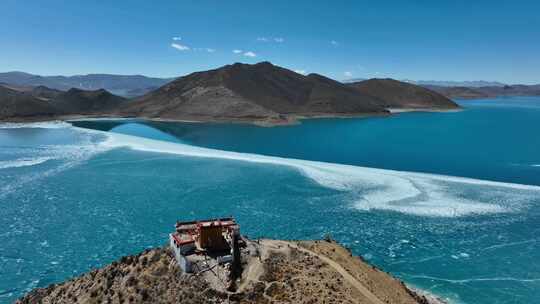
(446, 83)
(124, 85)
(259, 92)
(487, 91)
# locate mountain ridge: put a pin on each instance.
(42, 103)
(260, 93)
(456, 83)
(487, 92)
(118, 84)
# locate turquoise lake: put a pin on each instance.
(448, 202)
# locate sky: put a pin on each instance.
(414, 39)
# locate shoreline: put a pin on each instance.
(431, 298)
(287, 120)
(426, 110)
(457, 97)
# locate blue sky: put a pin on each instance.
(427, 40)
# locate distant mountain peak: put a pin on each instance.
(19, 73)
(264, 63)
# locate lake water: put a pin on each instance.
(448, 202)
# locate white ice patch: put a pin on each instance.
(463, 281)
(55, 124)
(22, 162)
(461, 255)
(407, 192)
(65, 157)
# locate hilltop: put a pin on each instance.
(82, 102)
(278, 272)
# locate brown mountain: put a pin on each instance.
(396, 94)
(76, 101)
(17, 104)
(44, 103)
(251, 92)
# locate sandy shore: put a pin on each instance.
(402, 110)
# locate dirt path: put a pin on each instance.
(346, 275)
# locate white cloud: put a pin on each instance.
(303, 72)
(271, 39)
(335, 43)
(180, 47)
(250, 54)
(237, 51)
(209, 50)
(347, 74)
